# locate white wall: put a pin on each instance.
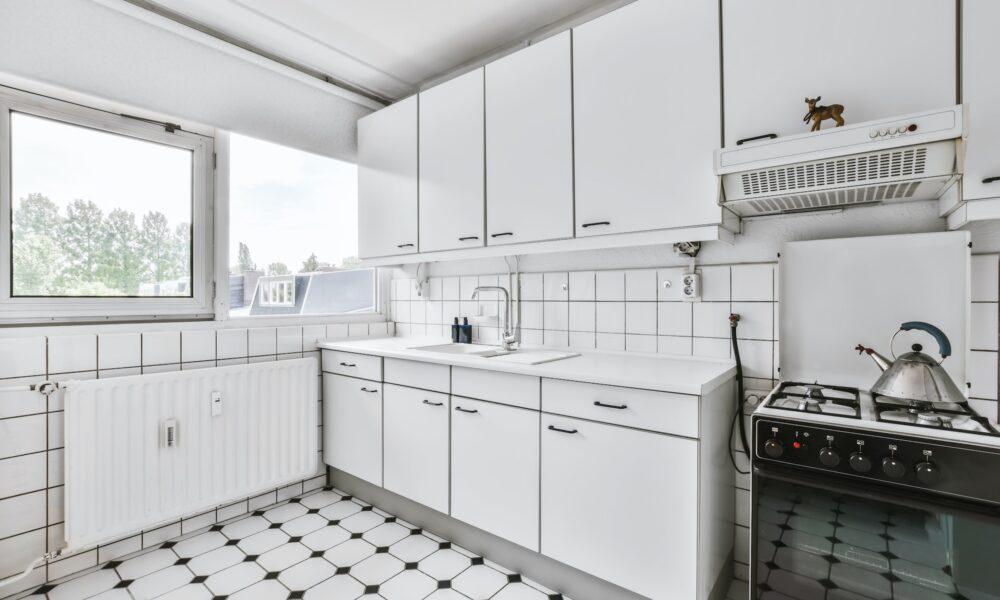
(86, 47)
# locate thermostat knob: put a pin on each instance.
(860, 463)
(893, 467)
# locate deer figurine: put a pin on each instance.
(818, 114)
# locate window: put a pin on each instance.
(104, 216)
(293, 233)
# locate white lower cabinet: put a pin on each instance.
(494, 469)
(621, 504)
(416, 445)
(352, 426)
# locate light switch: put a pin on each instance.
(216, 404)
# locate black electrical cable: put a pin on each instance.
(734, 320)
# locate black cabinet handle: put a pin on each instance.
(429, 403)
(343, 364)
(595, 223)
(468, 237)
(618, 406)
(506, 233)
(554, 428)
(466, 410)
(766, 136)
(364, 389)
(404, 246)
(992, 179)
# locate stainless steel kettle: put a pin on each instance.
(915, 376)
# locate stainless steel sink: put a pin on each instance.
(524, 357)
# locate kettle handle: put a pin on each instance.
(944, 346)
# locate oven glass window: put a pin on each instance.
(814, 544)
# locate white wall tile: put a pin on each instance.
(670, 284)
(715, 283)
(311, 335)
(262, 340)
(71, 353)
(161, 347)
(582, 316)
(610, 286)
(22, 474)
(711, 319)
(640, 317)
(982, 374)
(984, 326)
(753, 282)
(108, 373)
(713, 347)
(450, 288)
(55, 426)
(381, 328)
(756, 320)
(532, 338)
(55, 467)
(18, 551)
(434, 314)
(666, 344)
(337, 330)
(556, 316)
(118, 350)
(610, 318)
(22, 435)
(434, 289)
(198, 364)
(450, 310)
(582, 339)
(22, 357)
(582, 285)
(401, 289)
(357, 329)
(758, 358)
(531, 315)
(120, 548)
(640, 285)
(640, 343)
(170, 368)
(197, 345)
(72, 564)
(556, 286)
(22, 513)
(984, 278)
(289, 339)
(675, 319)
(610, 341)
(56, 502)
(27, 402)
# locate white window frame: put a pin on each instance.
(282, 284)
(49, 310)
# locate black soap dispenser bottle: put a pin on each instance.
(456, 331)
(465, 331)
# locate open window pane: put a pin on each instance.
(97, 214)
(293, 233)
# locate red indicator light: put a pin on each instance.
(796, 445)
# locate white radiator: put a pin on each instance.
(147, 449)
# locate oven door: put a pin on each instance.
(823, 539)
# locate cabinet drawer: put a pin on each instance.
(504, 388)
(412, 373)
(352, 426)
(644, 409)
(355, 365)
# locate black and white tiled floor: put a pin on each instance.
(323, 545)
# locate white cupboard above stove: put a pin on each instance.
(877, 59)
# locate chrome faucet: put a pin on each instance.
(509, 339)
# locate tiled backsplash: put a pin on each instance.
(31, 473)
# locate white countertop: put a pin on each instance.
(662, 372)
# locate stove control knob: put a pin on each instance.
(893, 467)
(928, 473)
(860, 462)
(829, 457)
(774, 448)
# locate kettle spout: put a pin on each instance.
(882, 362)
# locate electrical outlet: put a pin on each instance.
(692, 287)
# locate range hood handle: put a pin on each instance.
(766, 136)
(944, 345)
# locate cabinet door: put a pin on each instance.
(451, 164)
(416, 445)
(352, 426)
(387, 181)
(981, 92)
(646, 117)
(621, 504)
(877, 59)
(529, 144)
(494, 469)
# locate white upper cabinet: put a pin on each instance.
(452, 176)
(387, 181)
(646, 115)
(529, 144)
(981, 93)
(877, 59)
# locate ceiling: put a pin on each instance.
(386, 46)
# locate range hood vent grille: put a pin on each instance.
(906, 190)
(850, 170)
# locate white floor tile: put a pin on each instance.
(261, 542)
(340, 510)
(269, 589)
(408, 585)
(234, 578)
(86, 586)
(349, 553)
(199, 544)
(307, 573)
(283, 557)
(216, 560)
(361, 522)
(192, 591)
(144, 564)
(479, 582)
(519, 591)
(245, 527)
(377, 568)
(305, 524)
(285, 512)
(339, 586)
(160, 582)
(326, 537)
(386, 534)
(414, 548)
(445, 564)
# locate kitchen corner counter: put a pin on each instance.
(662, 372)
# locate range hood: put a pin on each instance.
(910, 157)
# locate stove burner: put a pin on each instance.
(949, 416)
(816, 398)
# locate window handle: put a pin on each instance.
(506, 233)
(618, 406)
(468, 237)
(554, 428)
(404, 245)
(364, 389)
(992, 179)
(766, 136)
(595, 224)
(466, 410)
(344, 364)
